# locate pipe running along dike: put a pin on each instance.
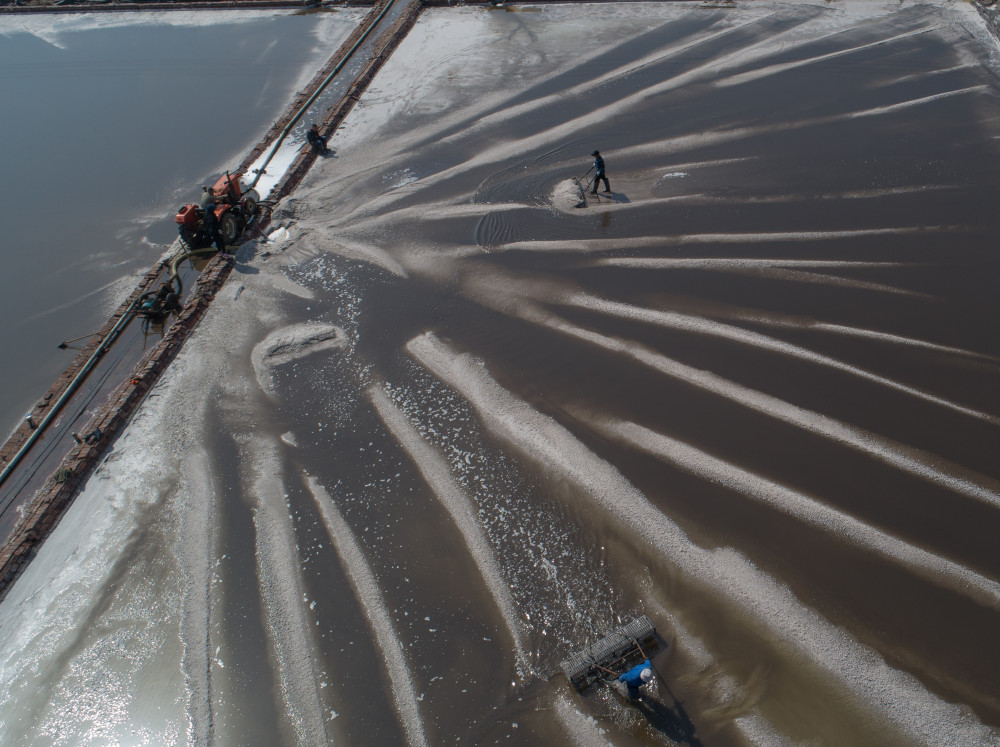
(41, 513)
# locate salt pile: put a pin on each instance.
(568, 194)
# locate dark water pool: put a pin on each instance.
(108, 126)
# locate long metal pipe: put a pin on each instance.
(322, 87)
(73, 385)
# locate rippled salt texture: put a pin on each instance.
(450, 431)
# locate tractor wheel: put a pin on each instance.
(229, 228)
(250, 200)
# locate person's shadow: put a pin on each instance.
(618, 197)
(674, 722)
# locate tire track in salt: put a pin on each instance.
(642, 242)
(927, 467)
(701, 140)
(870, 334)
(282, 594)
(933, 568)
(433, 467)
(700, 325)
(725, 263)
(764, 72)
(494, 292)
(776, 269)
(791, 321)
(367, 591)
(860, 672)
(197, 533)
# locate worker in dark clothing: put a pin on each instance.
(317, 141)
(212, 223)
(599, 166)
(161, 303)
(636, 677)
(209, 195)
(168, 299)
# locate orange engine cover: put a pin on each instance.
(187, 216)
(228, 185)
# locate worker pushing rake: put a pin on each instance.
(600, 174)
(624, 655)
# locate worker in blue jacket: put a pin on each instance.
(636, 677)
(599, 165)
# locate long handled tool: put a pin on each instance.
(620, 650)
(65, 343)
(592, 182)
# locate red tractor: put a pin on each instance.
(234, 211)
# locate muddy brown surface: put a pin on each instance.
(751, 393)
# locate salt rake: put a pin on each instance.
(612, 655)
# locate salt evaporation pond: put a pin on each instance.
(442, 432)
(111, 121)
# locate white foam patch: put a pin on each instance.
(279, 236)
(282, 593)
(583, 731)
(292, 343)
(367, 590)
(758, 732)
(932, 568)
(435, 471)
(198, 535)
(859, 671)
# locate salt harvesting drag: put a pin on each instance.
(562, 373)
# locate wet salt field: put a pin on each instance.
(445, 428)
